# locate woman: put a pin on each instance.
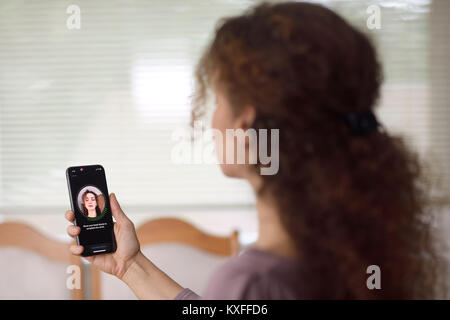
(346, 195)
(89, 204)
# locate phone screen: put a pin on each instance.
(89, 199)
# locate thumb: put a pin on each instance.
(117, 212)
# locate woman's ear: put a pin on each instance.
(246, 118)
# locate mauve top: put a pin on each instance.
(252, 275)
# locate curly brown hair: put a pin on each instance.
(348, 201)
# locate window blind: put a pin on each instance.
(113, 92)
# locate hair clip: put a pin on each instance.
(361, 123)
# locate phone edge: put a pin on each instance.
(71, 201)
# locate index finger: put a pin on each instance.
(69, 215)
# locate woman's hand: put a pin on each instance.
(128, 247)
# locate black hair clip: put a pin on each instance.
(362, 123)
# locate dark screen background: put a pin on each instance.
(90, 176)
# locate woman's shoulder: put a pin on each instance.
(255, 274)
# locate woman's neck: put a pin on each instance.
(272, 235)
(92, 214)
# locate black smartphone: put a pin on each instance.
(89, 199)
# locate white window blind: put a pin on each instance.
(113, 92)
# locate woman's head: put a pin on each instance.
(89, 202)
(296, 65)
(348, 201)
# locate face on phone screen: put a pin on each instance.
(90, 203)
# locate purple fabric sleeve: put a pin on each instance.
(187, 294)
(253, 275)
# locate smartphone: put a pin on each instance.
(89, 199)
